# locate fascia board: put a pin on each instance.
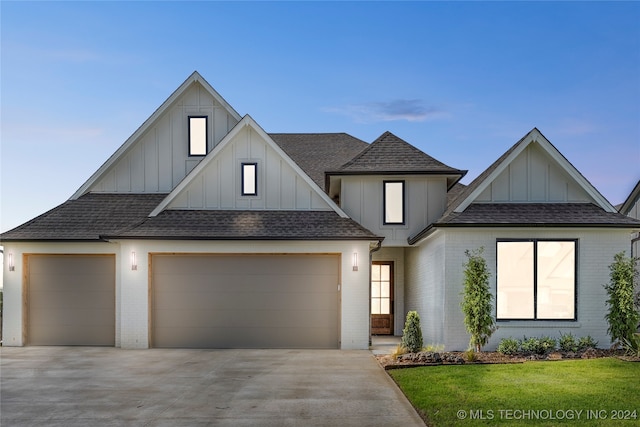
(195, 77)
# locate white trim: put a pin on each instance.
(195, 77)
(244, 122)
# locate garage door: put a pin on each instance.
(248, 301)
(71, 300)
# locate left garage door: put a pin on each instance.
(71, 300)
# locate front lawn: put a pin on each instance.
(596, 392)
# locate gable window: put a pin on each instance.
(393, 202)
(536, 280)
(249, 179)
(197, 135)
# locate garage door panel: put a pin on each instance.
(210, 301)
(71, 300)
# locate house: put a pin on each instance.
(204, 231)
(631, 208)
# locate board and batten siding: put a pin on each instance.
(218, 184)
(533, 177)
(159, 159)
(425, 200)
(595, 251)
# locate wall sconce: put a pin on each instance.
(134, 263)
(12, 266)
(355, 261)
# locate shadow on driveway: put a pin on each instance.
(81, 386)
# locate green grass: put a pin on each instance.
(532, 393)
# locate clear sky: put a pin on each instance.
(462, 81)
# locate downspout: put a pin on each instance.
(371, 251)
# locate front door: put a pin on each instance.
(382, 298)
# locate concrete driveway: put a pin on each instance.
(81, 386)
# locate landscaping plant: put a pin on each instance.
(412, 333)
(476, 303)
(509, 346)
(623, 315)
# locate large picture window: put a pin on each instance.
(536, 280)
(393, 202)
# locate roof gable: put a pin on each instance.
(214, 184)
(531, 171)
(155, 157)
(631, 206)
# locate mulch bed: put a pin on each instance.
(410, 360)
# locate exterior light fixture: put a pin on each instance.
(134, 263)
(355, 261)
(12, 266)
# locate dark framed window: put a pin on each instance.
(393, 201)
(249, 179)
(198, 135)
(536, 279)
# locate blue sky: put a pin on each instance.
(463, 81)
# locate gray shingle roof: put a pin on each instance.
(248, 225)
(316, 153)
(531, 215)
(87, 218)
(391, 155)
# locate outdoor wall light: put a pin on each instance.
(355, 261)
(12, 266)
(134, 263)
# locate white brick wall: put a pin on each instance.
(596, 249)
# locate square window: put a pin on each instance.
(197, 135)
(536, 280)
(249, 179)
(393, 202)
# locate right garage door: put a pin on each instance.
(245, 301)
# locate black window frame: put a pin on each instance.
(535, 280)
(206, 135)
(255, 178)
(384, 201)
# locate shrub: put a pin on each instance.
(509, 346)
(547, 345)
(539, 346)
(398, 351)
(412, 333)
(476, 303)
(632, 346)
(567, 343)
(587, 342)
(470, 355)
(623, 316)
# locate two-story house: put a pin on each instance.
(202, 230)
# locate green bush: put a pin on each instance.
(632, 346)
(476, 303)
(567, 343)
(539, 346)
(412, 333)
(623, 315)
(587, 342)
(509, 346)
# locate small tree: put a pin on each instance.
(476, 303)
(412, 333)
(623, 315)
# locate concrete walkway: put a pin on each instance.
(81, 386)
